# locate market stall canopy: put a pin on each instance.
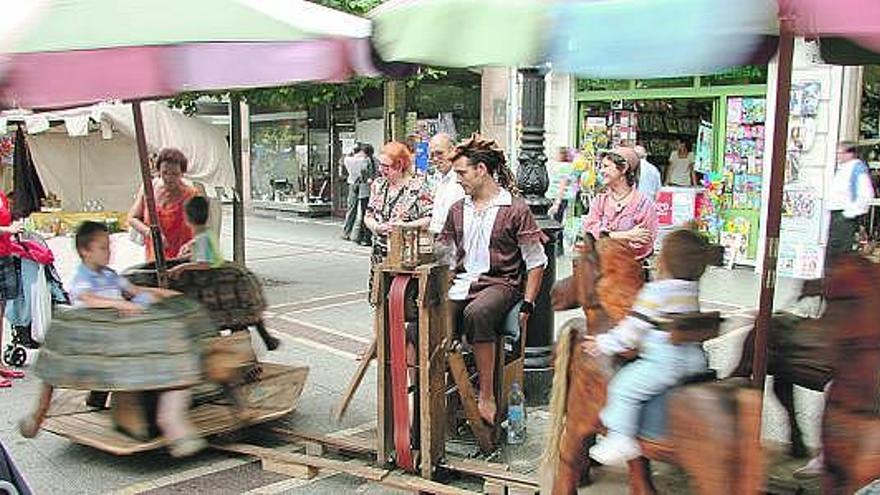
(857, 20)
(89, 167)
(849, 29)
(62, 53)
(619, 39)
(614, 38)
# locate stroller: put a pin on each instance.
(11, 480)
(24, 314)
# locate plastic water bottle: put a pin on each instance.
(516, 415)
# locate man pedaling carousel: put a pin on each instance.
(490, 240)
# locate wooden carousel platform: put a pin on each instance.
(272, 397)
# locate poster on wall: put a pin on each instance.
(675, 206)
(800, 253)
(805, 98)
(704, 150)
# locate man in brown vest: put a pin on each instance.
(491, 241)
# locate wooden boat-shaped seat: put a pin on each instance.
(173, 344)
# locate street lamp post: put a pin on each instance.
(532, 181)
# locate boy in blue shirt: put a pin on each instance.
(96, 285)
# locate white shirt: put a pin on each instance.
(656, 300)
(840, 196)
(354, 165)
(446, 193)
(679, 173)
(649, 179)
(478, 226)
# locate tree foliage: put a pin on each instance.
(302, 96)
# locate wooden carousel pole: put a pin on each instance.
(774, 202)
(149, 194)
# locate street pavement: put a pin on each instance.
(316, 286)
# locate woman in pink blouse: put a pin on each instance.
(620, 210)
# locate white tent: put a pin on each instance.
(79, 163)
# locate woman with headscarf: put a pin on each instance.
(620, 210)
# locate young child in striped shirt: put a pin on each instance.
(661, 364)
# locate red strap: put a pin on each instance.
(399, 396)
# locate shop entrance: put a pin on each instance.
(657, 124)
(724, 128)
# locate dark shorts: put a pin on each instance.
(480, 316)
(10, 284)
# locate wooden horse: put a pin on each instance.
(851, 423)
(799, 353)
(711, 431)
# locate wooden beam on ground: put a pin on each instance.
(420, 485)
(498, 473)
(342, 444)
(354, 468)
(289, 469)
(392, 479)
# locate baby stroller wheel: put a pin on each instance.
(15, 356)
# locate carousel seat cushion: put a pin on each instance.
(510, 330)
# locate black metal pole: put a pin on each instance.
(238, 250)
(533, 182)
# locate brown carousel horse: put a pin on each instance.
(851, 423)
(798, 353)
(711, 430)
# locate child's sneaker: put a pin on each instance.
(615, 450)
(187, 446)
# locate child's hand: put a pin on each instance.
(590, 346)
(165, 293)
(185, 250)
(128, 308)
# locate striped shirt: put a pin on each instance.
(656, 300)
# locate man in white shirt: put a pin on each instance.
(849, 198)
(447, 190)
(649, 177)
(354, 165)
(489, 280)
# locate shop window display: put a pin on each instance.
(279, 159)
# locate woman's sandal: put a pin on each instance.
(8, 373)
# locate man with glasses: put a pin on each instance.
(447, 190)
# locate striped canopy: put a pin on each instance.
(611, 38)
(73, 52)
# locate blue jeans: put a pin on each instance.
(660, 367)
